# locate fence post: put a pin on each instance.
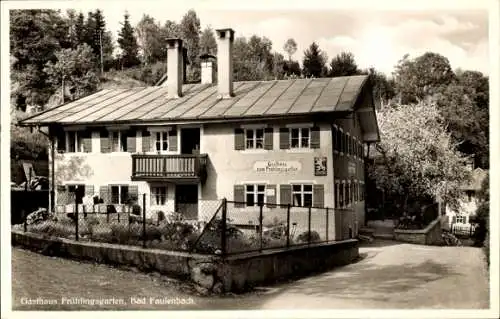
(260, 226)
(144, 220)
(288, 226)
(25, 217)
(309, 225)
(326, 224)
(224, 227)
(76, 218)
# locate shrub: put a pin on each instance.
(306, 237)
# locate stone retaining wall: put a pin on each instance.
(208, 273)
(431, 235)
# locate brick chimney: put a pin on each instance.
(225, 38)
(175, 68)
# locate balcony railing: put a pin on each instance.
(169, 167)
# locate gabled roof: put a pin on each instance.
(252, 99)
(477, 177)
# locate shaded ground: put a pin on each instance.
(389, 275)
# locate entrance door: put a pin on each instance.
(186, 200)
(190, 141)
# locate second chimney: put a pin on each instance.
(175, 68)
(225, 38)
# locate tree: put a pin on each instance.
(278, 66)
(466, 121)
(343, 64)
(422, 77)
(190, 32)
(292, 69)
(34, 37)
(248, 62)
(290, 48)
(80, 29)
(26, 144)
(76, 69)
(314, 62)
(416, 158)
(150, 39)
(128, 44)
(260, 50)
(208, 44)
(383, 88)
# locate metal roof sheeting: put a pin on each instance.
(200, 101)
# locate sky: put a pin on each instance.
(377, 37)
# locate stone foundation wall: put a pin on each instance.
(431, 235)
(209, 274)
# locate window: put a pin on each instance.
(347, 194)
(302, 195)
(158, 195)
(74, 142)
(254, 138)
(461, 219)
(118, 141)
(119, 194)
(72, 188)
(161, 141)
(254, 194)
(300, 137)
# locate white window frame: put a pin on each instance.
(300, 138)
(119, 193)
(164, 129)
(120, 141)
(156, 197)
(461, 219)
(78, 141)
(164, 138)
(255, 193)
(254, 138)
(302, 192)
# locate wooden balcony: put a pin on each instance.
(173, 168)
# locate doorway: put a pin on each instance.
(186, 200)
(190, 140)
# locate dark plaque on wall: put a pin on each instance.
(320, 168)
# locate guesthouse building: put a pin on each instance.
(187, 146)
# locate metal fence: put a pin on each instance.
(238, 227)
(222, 228)
(463, 230)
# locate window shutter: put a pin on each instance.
(453, 219)
(105, 146)
(239, 139)
(172, 141)
(239, 195)
(131, 141)
(86, 140)
(334, 138)
(284, 138)
(285, 194)
(271, 199)
(105, 194)
(60, 136)
(315, 137)
(89, 190)
(268, 138)
(146, 144)
(318, 195)
(133, 191)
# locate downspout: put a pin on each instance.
(52, 163)
(366, 180)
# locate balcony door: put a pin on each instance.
(186, 200)
(190, 140)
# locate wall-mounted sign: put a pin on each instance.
(352, 169)
(277, 166)
(320, 166)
